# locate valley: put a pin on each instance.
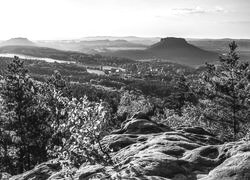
(129, 94)
(191, 52)
(124, 90)
(158, 90)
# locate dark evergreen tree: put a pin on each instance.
(25, 117)
(227, 86)
(182, 95)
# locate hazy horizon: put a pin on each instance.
(105, 37)
(74, 19)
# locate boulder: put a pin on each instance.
(5, 176)
(140, 125)
(143, 149)
(87, 171)
(40, 172)
(236, 167)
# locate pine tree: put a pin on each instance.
(25, 117)
(227, 85)
(181, 96)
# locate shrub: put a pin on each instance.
(82, 131)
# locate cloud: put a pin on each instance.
(242, 22)
(198, 10)
(219, 9)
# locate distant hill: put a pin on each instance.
(109, 43)
(44, 52)
(170, 49)
(221, 46)
(91, 46)
(18, 42)
(34, 51)
(133, 39)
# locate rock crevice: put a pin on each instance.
(143, 149)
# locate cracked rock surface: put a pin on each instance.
(143, 149)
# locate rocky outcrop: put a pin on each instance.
(4, 176)
(143, 149)
(42, 171)
(173, 49)
(170, 42)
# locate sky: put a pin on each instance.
(72, 19)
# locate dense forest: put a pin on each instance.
(58, 111)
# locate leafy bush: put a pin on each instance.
(132, 103)
(87, 122)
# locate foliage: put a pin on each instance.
(66, 115)
(41, 120)
(87, 122)
(96, 93)
(132, 103)
(190, 116)
(26, 131)
(227, 89)
(182, 95)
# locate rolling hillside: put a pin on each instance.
(170, 49)
(90, 46)
(221, 46)
(18, 42)
(43, 52)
